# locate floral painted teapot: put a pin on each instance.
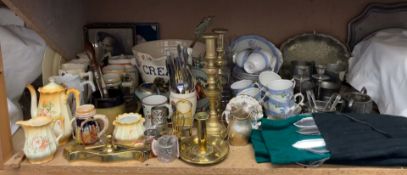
(53, 103)
(40, 141)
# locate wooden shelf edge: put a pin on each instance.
(240, 161)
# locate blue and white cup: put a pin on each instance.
(241, 85)
(254, 92)
(278, 110)
(281, 90)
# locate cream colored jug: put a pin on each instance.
(40, 141)
(53, 103)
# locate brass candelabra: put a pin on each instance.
(214, 127)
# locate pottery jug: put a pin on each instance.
(40, 141)
(129, 129)
(53, 103)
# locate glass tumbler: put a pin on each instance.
(166, 148)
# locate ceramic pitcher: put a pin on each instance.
(53, 103)
(40, 141)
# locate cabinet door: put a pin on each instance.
(5, 133)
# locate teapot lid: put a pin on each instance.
(51, 87)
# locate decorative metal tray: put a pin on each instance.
(318, 47)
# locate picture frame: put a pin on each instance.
(121, 37)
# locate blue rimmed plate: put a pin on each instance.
(255, 41)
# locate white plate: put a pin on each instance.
(249, 104)
(255, 41)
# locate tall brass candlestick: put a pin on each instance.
(220, 49)
(212, 92)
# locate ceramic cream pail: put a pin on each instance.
(40, 141)
(129, 129)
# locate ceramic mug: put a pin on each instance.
(240, 85)
(191, 97)
(86, 129)
(74, 81)
(152, 101)
(166, 148)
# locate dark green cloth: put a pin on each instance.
(275, 139)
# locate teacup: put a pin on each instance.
(241, 85)
(281, 90)
(266, 77)
(74, 81)
(240, 58)
(253, 92)
(274, 111)
(277, 107)
(257, 61)
(152, 101)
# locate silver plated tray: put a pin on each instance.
(318, 47)
(375, 17)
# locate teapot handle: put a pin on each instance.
(105, 121)
(76, 94)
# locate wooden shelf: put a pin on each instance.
(239, 161)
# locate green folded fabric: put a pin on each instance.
(275, 139)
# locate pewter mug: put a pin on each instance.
(239, 130)
(159, 118)
(358, 102)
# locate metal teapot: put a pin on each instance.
(53, 103)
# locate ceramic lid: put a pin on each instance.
(51, 87)
(87, 110)
(129, 118)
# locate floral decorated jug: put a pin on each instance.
(40, 141)
(53, 103)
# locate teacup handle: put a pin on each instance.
(293, 80)
(302, 98)
(105, 121)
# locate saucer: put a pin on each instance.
(249, 104)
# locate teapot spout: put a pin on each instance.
(33, 100)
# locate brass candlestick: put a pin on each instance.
(214, 127)
(203, 149)
(220, 49)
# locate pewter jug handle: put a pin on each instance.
(154, 147)
(363, 91)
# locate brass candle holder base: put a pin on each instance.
(203, 149)
(216, 150)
